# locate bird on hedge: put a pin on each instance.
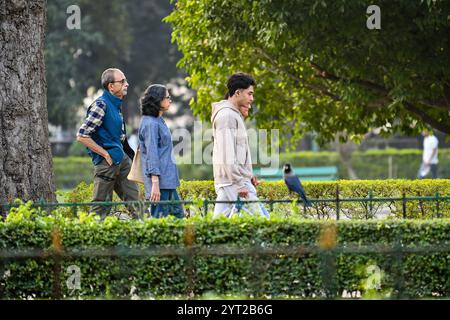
(293, 183)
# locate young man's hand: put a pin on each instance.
(255, 181)
(243, 193)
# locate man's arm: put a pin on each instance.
(89, 143)
(432, 155)
(93, 120)
(434, 145)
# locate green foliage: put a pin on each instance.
(76, 58)
(317, 65)
(81, 193)
(371, 164)
(276, 275)
(23, 211)
(374, 164)
(70, 171)
(125, 34)
(198, 191)
(77, 150)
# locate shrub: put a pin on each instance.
(197, 191)
(70, 171)
(78, 150)
(325, 271)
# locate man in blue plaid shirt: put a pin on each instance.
(103, 133)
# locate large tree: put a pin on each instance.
(25, 156)
(75, 58)
(124, 34)
(318, 67)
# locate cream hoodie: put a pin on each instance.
(232, 163)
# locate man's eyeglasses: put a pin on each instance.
(123, 81)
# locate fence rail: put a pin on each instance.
(336, 204)
(396, 250)
(189, 252)
(216, 250)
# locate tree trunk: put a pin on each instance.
(345, 151)
(25, 155)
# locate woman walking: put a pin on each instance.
(158, 162)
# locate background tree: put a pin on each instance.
(318, 67)
(76, 58)
(125, 34)
(25, 158)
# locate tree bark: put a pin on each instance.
(345, 151)
(25, 155)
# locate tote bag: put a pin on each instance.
(136, 168)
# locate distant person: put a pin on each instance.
(430, 155)
(158, 161)
(103, 133)
(232, 164)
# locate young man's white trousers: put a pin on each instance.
(230, 193)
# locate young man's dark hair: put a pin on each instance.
(239, 81)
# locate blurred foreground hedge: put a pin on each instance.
(182, 269)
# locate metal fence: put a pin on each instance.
(437, 205)
(368, 207)
(327, 266)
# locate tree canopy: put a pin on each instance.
(317, 65)
(75, 58)
(124, 34)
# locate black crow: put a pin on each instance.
(293, 183)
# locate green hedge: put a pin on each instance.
(372, 164)
(347, 189)
(70, 171)
(277, 275)
(201, 190)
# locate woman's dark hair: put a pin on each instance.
(239, 81)
(151, 100)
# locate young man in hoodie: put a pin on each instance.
(103, 133)
(232, 163)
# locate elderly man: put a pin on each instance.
(103, 133)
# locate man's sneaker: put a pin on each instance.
(121, 216)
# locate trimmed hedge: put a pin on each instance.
(277, 275)
(199, 190)
(348, 189)
(70, 171)
(371, 164)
